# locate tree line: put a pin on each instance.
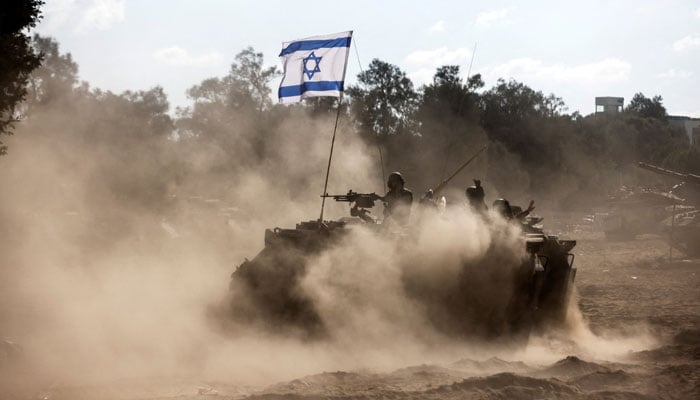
(535, 145)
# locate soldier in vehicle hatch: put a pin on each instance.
(508, 212)
(475, 197)
(398, 200)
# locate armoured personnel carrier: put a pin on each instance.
(637, 211)
(493, 297)
(682, 226)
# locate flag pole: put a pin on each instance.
(330, 157)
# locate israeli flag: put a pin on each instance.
(314, 66)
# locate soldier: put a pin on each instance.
(502, 207)
(398, 201)
(508, 212)
(520, 214)
(428, 200)
(475, 197)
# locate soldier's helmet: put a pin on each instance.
(475, 192)
(502, 206)
(395, 177)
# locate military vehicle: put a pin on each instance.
(632, 212)
(682, 226)
(494, 297)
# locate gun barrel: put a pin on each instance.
(362, 199)
(338, 197)
(689, 178)
(444, 183)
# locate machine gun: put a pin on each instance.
(360, 203)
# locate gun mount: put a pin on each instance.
(359, 202)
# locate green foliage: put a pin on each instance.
(232, 111)
(57, 75)
(232, 126)
(17, 58)
(384, 102)
(246, 87)
(150, 106)
(448, 116)
(447, 95)
(319, 106)
(684, 159)
(17, 15)
(523, 119)
(117, 140)
(645, 107)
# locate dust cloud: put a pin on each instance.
(97, 286)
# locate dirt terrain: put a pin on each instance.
(635, 334)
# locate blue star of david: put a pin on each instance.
(310, 72)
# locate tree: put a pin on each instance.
(449, 119)
(647, 108)
(507, 111)
(246, 86)
(531, 129)
(248, 80)
(150, 106)
(57, 75)
(18, 59)
(448, 95)
(510, 103)
(232, 111)
(384, 102)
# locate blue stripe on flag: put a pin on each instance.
(315, 44)
(298, 90)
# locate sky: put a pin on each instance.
(576, 50)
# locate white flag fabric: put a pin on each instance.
(314, 66)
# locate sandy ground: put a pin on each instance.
(627, 291)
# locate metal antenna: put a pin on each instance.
(459, 109)
(330, 157)
(469, 71)
(379, 146)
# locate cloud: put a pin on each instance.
(691, 114)
(697, 12)
(486, 19)
(650, 8)
(676, 74)
(81, 16)
(439, 56)
(687, 42)
(101, 14)
(178, 56)
(439, 26)
(422, 76)
(425, 62)
(607, 70)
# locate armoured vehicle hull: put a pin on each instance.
(683, 231)
(494, 297)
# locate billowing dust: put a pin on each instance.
(97, 287)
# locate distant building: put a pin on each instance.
(609, 105)
(691, 126)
